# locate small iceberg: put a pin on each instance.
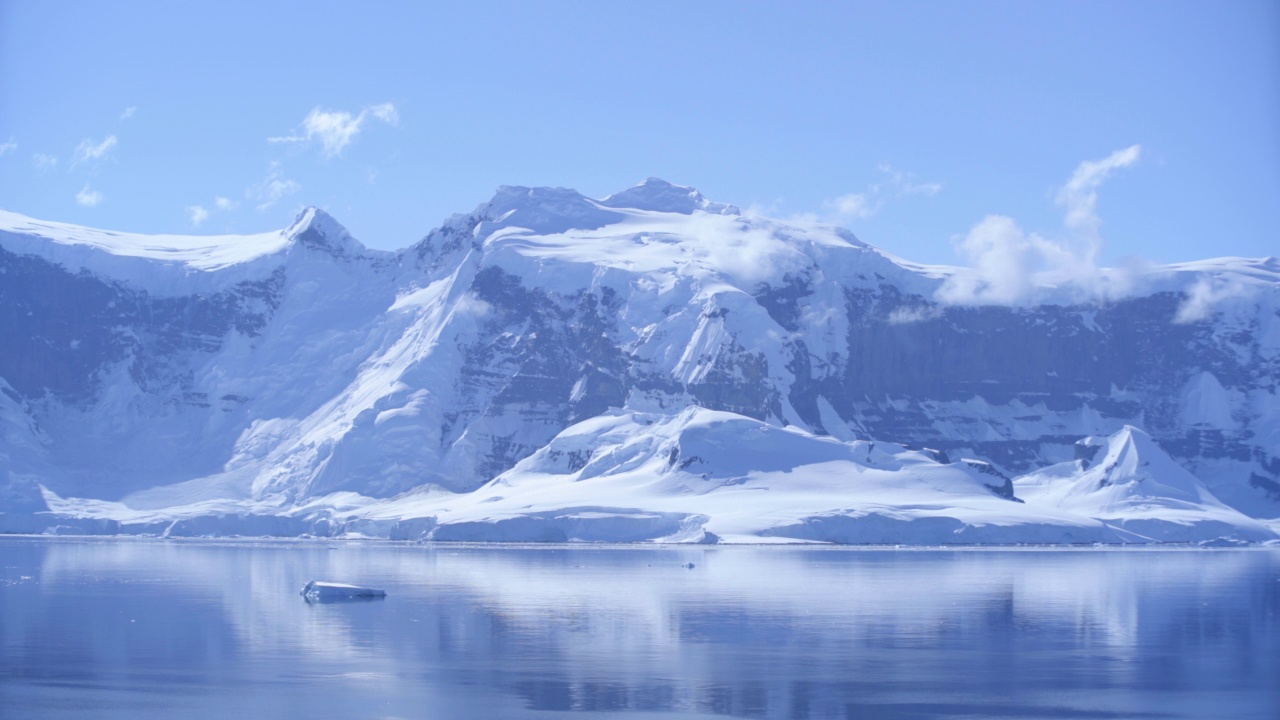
(324, 592)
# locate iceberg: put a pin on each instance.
(317, 591)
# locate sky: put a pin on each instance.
(1113, 132)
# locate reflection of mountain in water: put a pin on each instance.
(805, 633)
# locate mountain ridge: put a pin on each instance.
(317, 380)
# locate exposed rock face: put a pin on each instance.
(281, 369)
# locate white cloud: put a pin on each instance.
(473, 305)
(7, 147)
(88, 150)
(862, 205)
(128, 112)
(908, 315)
(88, 198)
(1205, 295)
(1001, 258)
(928, 189)
(386, 112)
(271, 189)
(1080, 195)
(197, 214)
(853, 205)
(905, 184)
(1005, 263)
(44, 163)
(761, 210)
(336, 129)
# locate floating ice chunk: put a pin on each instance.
(316, 591)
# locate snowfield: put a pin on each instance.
(650, 367)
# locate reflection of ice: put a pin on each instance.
(253, 585)
(569, 628)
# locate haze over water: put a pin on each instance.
(151, 629)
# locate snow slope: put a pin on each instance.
(704, 476)
(652, 365)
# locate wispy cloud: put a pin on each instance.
(272, 188)
(386, 112)
(861, 205)
(1079, 197)
(88, 198)
(908, 315)
(8, 147)
(88, 150)
(904, 183)
(854, 205)
(128, 112)
(1205, 295)
(197, 214)
(44, 163)
(334, 130)
(1004, 260)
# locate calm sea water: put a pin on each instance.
(162, 629)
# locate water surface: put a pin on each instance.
(157, 629)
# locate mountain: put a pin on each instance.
(653, 365)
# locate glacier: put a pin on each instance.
(648, 367)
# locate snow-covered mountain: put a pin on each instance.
(652, 365)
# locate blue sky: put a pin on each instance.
(912, 123)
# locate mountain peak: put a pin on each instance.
(552, 210)
(312, 217)
(545, 210)
(658, 195)
(315, 228)
(1131, 459)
